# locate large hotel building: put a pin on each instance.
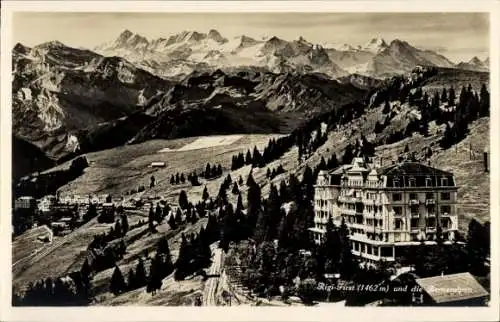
(386, 208)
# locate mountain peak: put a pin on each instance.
(274, 39)
(215, 35)
(398, 42)
(20, 48)
(126, 34)
(375, 45)
(378, 41)
(475, 61)
(346, 47)
(51, 44)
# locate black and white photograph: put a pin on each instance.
(270, 159)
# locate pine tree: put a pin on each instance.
(172, 180)
(484, 101)
(178, 216)
(151, 217)
(444, 96)
(182, 260)
(248, 158)
(451, 97)
(182, 178)
(205, 194)
(239, 203)
(152, 184)
(222, 195)
(171, 222)
(155, 275)
(86, 272)
(348, 263)
(117, 283)
(240, 181)
(140, 275)
(125, 225)
(268, 173)
(235, 189)
(387, 107)
(333, 162)
(332, 246)
(219, 170)
(131, 280)
(208, 171)
(183, 199)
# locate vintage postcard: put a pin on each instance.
(249, 156)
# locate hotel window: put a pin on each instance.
(428, 182)
(413, 196)
(412, 182)
(429, 195)
(444, 182)
(397, 224)
(396, 197)
(414, 223)
(445, 196)
(398, 211)
(445, 210)
(395, 182)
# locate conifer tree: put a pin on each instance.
(131, 280)
(235, 189)
(484, 101)
(178, 216)
(444, 96)
(155, 275)
(239, 203)
(172, 180)
(117, 283)
(125, 225)
(140, 274)
(205, 194)
(171, 222)
(451, 97)
(183, 199)
(387, 107)
(208, 171)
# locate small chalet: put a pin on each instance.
(460, 289)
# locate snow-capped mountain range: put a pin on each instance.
(185, 52)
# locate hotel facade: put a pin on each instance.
(386, 208)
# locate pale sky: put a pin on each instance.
(458, 36)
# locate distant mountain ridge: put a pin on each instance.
(182, 53)
(58, 91)
(475, 64)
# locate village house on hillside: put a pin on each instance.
(386, 208)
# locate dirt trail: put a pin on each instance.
(212, 284)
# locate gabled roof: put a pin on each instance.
(413, 169)
(341, 169)
(453, 287)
